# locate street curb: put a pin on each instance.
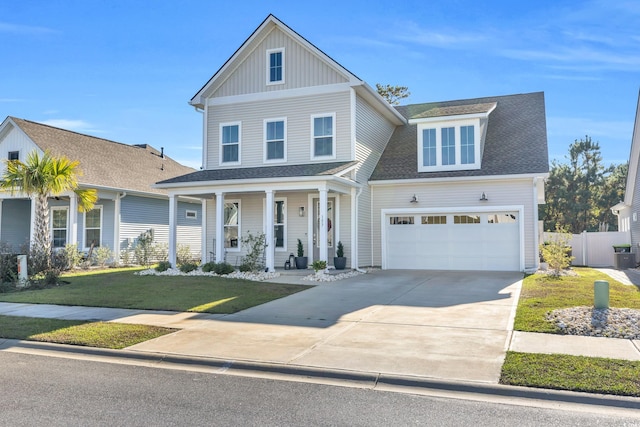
(372, 380)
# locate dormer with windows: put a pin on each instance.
(451, 138)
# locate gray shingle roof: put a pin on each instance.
(516, 139)
(436, 110)
(265, 172)
(106, 163)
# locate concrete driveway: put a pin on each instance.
(446, 325)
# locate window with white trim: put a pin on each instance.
(275, 140)
(232, 225)
(323, 137)
(230, 137)
(191, 214)
(13, 155)
(93, 227)
(450, 145)
(275, 66)
(59, 226)
(280, 223)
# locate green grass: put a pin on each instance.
(541, 294)
(576, 373)
(92, 334)
(123, 289)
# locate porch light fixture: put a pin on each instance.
(414, 200)
(301, 211)
(484, 197)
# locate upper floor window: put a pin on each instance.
(93, 227)
(14, 155)
(275, 66)
(323, 144)
(230, 143)
(451, 145)
(275, 140)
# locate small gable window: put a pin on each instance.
(230, 143)
(323, 136)
(449, 145)
(14, 155)
(275, 66)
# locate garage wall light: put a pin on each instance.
(413, 200)
(301, 211)
(484, 197)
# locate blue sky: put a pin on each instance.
(125, 70)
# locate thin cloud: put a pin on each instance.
(6, 27)
(74, 125)
(578, 127)
(442, 38)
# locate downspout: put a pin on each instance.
(116, 226)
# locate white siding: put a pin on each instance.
(458, 194)
(15, 140)
(302, 69)
(297, 112)
(372, 134)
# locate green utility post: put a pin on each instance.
(601, 294)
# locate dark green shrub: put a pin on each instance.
(208, 267)
(244, 267)
(223, 268)
(163, 266)
(188, 267)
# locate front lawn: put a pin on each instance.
(541, 294)
(77, 332)
(576, 373)
(124, 289)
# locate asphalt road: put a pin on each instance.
(38, 390)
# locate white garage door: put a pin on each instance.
(453, 241)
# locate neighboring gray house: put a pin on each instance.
(627, 210)
(298, 147)
(123, 174)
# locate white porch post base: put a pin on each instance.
(173, 229)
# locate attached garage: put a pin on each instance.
(460, 240)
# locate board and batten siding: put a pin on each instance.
(140, 214)
(634, 224)
(297, 112)
(463, 194)
(372, 135)
(15, 223)
(16, 140)
(302, 68)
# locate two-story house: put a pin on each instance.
(298, 147)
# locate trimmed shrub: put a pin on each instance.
(208, 267)
(223, 268)
(188, 267)
(163, 266)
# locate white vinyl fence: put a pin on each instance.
(594, 249)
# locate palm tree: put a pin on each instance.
(41, 177)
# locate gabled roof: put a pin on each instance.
(363, 89)
(264, 172)
(104, 163)
(634, 159)
(516, 138)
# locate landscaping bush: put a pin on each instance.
(163, 266)
(73, 256)
(319, 265)
(144, 250)
(188, 267)
(254, 259)
(8, 266)
(45, 279)
(183, 254)
(103, 255)
(208, 267)
(223, 268)
(556, 254)
(244, 267)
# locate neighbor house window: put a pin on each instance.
(14, 155)
(93, 227)
(275, 139)
(59, 224)
(229, 142)
(275, 66)
(452, 145)
(231, 224)
(323, 135)
(279, 223)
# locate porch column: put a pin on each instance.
(269, 235)
(116, 228)
(173, 229)
(1, 219)
(203, 227)
(219, 227)
(32, 225)
(354, 229)
(73, 219)
(323, 255)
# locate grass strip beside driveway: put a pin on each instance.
(575, 373)
(77, 332)
(542, 294)
(123, 289)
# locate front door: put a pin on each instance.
(330, 229)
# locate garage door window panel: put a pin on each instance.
(466, 219)
(401, 220)
(502, 218)
(434, 220)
